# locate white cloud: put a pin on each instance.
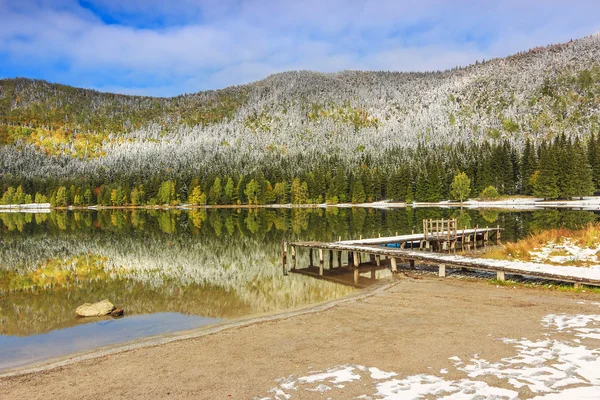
(208, 44)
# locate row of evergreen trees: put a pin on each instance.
(561, 168)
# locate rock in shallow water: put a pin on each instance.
(98, 309)
(117, 312)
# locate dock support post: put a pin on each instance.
(339, 258)
(293, 257)
(394, 265)
(330, 259)
(501, 276)
(412, 263)
(356, 259)
(378, 260)
(321, 261)
(284, 257)
(577, 285)
(442, 271)
(310, 256)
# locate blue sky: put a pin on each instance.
(165, 48)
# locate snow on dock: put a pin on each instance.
(413, 248)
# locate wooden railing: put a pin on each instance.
(439, 229)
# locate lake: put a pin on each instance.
(177, 270)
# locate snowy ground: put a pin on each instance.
(563, 365)
(566, 252)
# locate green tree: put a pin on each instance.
(166, 193)
(19, 196)
(229, 192)
(358, 191)
(299, 191)
(215, 192)
(87, 196)
(40, 198)
(281, 192)
(583, 184)
(528, 167)
(61, 197)
(7, 197)
(251, 192)
(489, 193)
(197, 197)
(461, 186)
(545, 183)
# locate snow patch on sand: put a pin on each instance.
(552, 368)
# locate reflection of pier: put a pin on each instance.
(360, 278)
(438, 235)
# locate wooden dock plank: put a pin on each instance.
(414, 237)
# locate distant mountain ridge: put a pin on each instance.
(471, 101)
(293, 121)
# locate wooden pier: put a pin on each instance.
(408, 249)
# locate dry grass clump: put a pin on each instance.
(521, 250)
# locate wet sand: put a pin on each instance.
(412, 326)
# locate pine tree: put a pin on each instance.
(421, 186)
(593, 152)
(215, 192)
(528, 167)
(434, 184)
(229, 192)
(358, 191)
(87, 197)
(582, 172)
(565, 155)
(545, 183)
(252, 192)
(299, 192)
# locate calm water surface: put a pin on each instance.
(177, 270)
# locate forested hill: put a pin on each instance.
(297, 123)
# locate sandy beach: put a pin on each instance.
(411, 327)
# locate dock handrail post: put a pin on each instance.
(321, 261)
(284, 256)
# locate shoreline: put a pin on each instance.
(162, 339)
(516, 203)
